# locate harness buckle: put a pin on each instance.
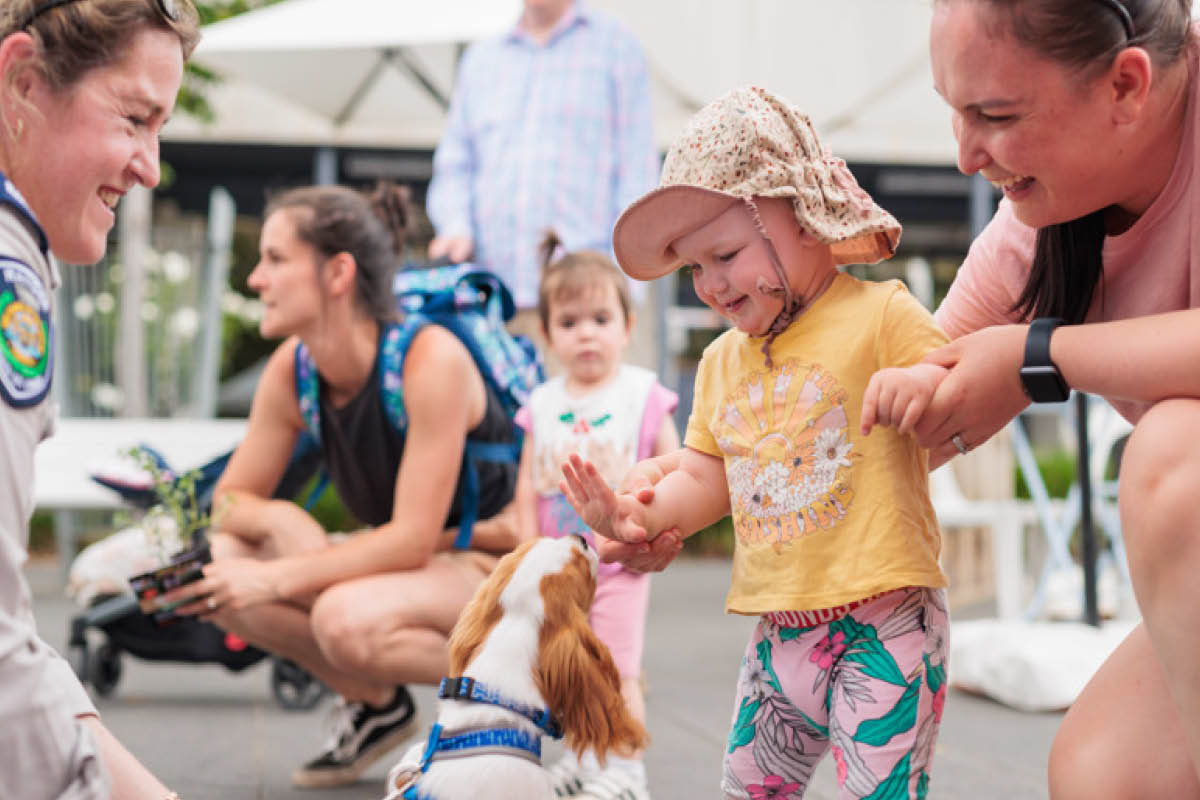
(550, 725)
(459, 688)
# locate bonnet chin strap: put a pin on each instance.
(792, 305)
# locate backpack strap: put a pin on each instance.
(393, 347)
(308, 390)
(390, 362)
(396, 341)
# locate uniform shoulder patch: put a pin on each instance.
(26, 353)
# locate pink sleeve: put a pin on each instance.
(524, 418)
(661, 403)
(991, 278)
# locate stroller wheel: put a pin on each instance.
(78, 657)
(104, 669)
(293, 687)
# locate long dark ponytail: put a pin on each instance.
(1068, 268)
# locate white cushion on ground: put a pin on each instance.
(1031, 666)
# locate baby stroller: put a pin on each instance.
(99, 584)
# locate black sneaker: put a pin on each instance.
(361, 736)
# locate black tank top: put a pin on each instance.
(362, 451)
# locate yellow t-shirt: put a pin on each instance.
(822, 514)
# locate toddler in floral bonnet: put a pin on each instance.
(836, 543)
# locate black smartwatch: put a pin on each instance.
(1039, 375)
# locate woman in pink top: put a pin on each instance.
(1083, 113)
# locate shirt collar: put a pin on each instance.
(577, 14)
(11, 196)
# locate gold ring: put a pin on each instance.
(212, 604)
(959, 444)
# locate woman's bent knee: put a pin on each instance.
(346, 635)
(1160, 478)
(1158, 451)
(1072, 769)
(224, 545)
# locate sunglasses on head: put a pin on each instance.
(169, 9)
(1121, 11)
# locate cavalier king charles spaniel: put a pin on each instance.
(525, 664)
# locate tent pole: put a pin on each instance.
(1087, 532)
(361, 90)
(404, 59)
(325, 166)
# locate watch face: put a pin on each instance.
(1043, 384)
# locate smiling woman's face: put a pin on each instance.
(1039, 132)
(81, 149)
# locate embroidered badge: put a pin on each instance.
(25, 349)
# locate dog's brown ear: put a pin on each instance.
(482, 612)
(576, 673)
(580, 682)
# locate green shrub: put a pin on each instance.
(41, 532)
(1058, 473)
(715, 540)
(329, 510)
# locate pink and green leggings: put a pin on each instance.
(868, 685)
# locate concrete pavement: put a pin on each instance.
(215, 735)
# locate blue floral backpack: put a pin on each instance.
(473, 304)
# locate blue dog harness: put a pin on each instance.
(495, 741)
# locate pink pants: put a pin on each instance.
(869, 686)
(619, 617)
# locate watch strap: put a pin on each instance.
(1037, 342)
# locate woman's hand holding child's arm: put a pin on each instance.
(981, 393)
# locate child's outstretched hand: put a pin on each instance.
(621, 517)
(898, 396)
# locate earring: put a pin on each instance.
(20, 128)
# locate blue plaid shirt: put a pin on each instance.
(556, 136)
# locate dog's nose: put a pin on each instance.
(582, 540)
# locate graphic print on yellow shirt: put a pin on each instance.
(822, 514)
(786, 439)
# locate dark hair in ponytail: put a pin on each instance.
(1067, 268)
(370, 227)
(566, 275)
(1084, 36)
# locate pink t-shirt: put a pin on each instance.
(1151, 268)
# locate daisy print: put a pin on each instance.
(786, 438)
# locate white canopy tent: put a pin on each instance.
(377, 72)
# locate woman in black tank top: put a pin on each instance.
(371, 612)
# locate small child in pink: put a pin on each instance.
(613, 414)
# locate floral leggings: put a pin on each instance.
(869, 686)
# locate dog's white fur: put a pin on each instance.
(525, 635)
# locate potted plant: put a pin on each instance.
(175, 527)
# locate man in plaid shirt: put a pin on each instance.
(549, 128)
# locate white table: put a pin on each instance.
(63, 463)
